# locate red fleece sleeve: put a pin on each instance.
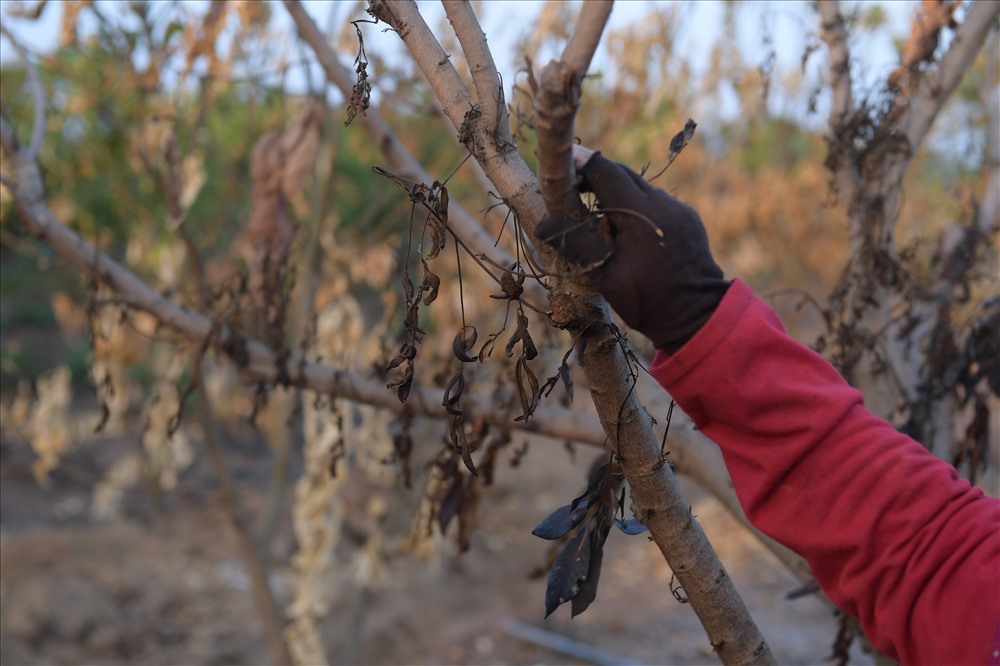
(892, 534)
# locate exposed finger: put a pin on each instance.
(581, 155)
(615, 185)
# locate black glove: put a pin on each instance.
(648, 256)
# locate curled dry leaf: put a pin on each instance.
(430, 285)
(527, 388)
(464, 341)
(511, 287)
(681, 139)
(522, 335)
(453, 393)
(486, 351)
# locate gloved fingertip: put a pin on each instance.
(550, 229)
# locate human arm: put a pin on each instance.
(892, 534)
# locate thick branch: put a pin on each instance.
(435, 64)
(556, 104)
(937, 84)
(835, 36)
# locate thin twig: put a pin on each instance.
(582, 45)
(484, 71)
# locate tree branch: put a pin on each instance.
(989, 94)
(834, 34)
(937, 84)
(586, 37)
(435, 64)
(557, 100)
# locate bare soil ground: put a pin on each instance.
(171, 588)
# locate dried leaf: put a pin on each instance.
(522, 335)
(528, 395)
(558, 523)
(571, 565)
(632, 526)
(430, 284)
(437, 237)
(453, 393)
(362, 91)
(403, 383)
(510, 287)
(587, 591)
(464, 340)
(486, 351)
(461, 443)
(681, 139)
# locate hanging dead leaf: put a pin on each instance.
(486, 351)
(511, 287)
(430, 285)
(527, 388)
(464, 341)
(453, 393)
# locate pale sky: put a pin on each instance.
(789, 23)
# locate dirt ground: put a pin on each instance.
(172, 589)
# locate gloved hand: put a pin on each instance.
(648, 256)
